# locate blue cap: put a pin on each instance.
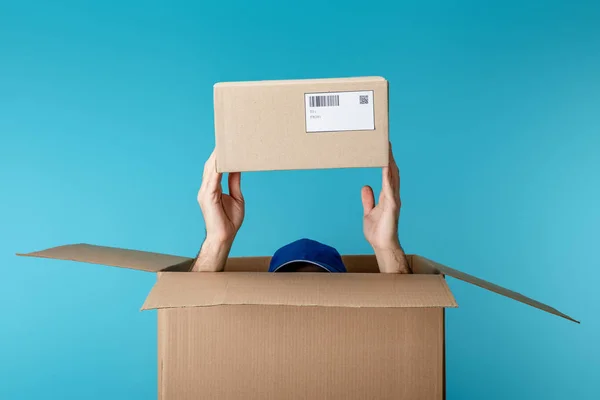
(308, 251)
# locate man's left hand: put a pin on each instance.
(380, 222)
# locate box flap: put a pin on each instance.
(423, 265)
(298, 289)
(247, 264)
(115, 257)
(353, 263)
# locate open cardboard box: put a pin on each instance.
(249, 334)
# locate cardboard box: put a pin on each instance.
(249, 334)
(301, 124)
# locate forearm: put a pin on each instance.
(392, 261)
(212, 257)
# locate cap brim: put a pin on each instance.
(322, 265)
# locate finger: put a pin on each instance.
(397, 189)
(235, 185)
(386, 181)
(209, 164)
(368, 199)
(395, 172)
(211, 180)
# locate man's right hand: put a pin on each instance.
(223, 216)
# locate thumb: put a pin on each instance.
(368, 199)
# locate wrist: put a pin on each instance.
(213, 255)
(392, 259)
(389, 246)
(215, 244)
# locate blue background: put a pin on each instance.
(106, 120)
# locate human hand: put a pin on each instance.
(223, 213)
(380, 222)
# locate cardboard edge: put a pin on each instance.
(146, 307)
(156, 301)
(161, 320)
(103, 256)
(444, 353)
(434, 267)
(449, 293)
(371, 78)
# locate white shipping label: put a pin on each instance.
(339, 111)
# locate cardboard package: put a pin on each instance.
(249, 334)
(301, 124)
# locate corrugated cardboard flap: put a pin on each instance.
(202, 289)
(423, 265)
(112, 256)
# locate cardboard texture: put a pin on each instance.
(175, 289)
(248, 334)
(266, 125)
(272, 352)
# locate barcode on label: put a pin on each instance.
(324, 101)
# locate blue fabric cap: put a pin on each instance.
(308, 251)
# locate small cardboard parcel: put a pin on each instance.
(301, 124)
(249, 334)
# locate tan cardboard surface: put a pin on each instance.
(325, 353)
(162, 334)
(156, 262)
(353, 263)
(429, 266)
(262, 126)
(300, 82)
(175, 289)
(111, 256)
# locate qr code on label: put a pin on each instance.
(363, 99)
